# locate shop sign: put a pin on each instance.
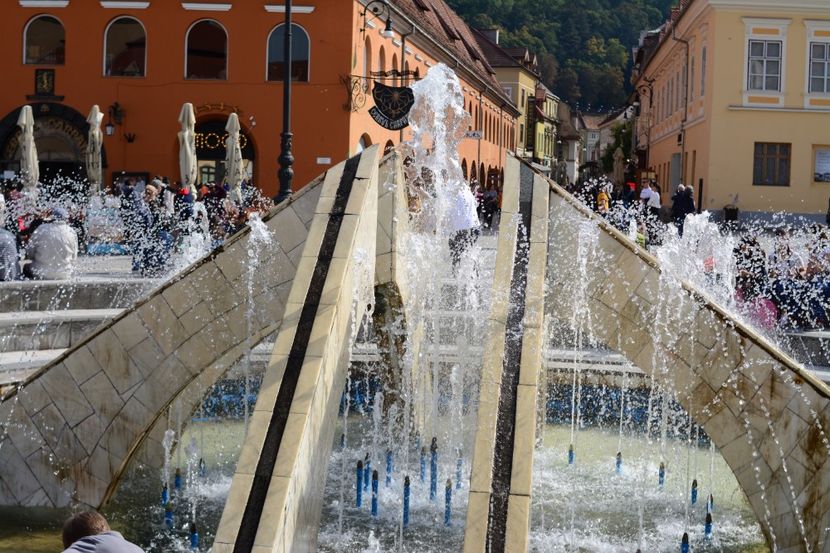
(392, 105)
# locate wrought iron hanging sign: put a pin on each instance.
(392, 105)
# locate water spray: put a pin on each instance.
(710, 504)
(367, 472)
(359, 496)
(165, 494)
(433, 469)
(374, 493)
(202, 468)
(406, 502)
(618, 463)
(448, 502)
(177, 480)
(423, 464)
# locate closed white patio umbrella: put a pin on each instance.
(234, 169)
(187, 146)
(93, 150)
(29, 169)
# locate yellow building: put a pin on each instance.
(544, 118)
(734, 97)
(517, 72)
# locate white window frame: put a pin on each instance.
(307, 35)
(764, 59)
(812, 38)
(26, 36)
(782, 25)
(146, 48)
(227, 49)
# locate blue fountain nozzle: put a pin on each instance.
(165, 494)
(202, 467)
(661, 474)
(571, 454)
(177, 480)
(694, 491)
(448, 502)
(710, 503)
(707, 527)
(359, 490)
(406, 491)
(388, 467)
(374, 493)
(684, 543)
(194, 536)
(168, 516)
(618, 462)
(433, 447)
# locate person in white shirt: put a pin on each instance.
(645, 193)
(653, 203)
(52, 249)
(464, 224)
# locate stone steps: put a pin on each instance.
(88, 293)
(49, 330)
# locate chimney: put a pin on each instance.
(491, 34)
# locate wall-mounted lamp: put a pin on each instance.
(378, 8)
(116, 113)
(109, 128)
(129, 137)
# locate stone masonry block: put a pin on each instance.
(64, 392)
(81, 364)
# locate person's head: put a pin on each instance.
(680, 187)
(59, 214)
(81, 525)
(150, 193)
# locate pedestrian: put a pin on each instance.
(9, 258)
(677, 208)
(138, 223)
(645, 194)
(628, 194)
(603, 201)
(52, 248)
(464, 225)
(89, 532)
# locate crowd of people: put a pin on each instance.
(160, 224)
(783, 284)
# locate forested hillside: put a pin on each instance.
(584, 46)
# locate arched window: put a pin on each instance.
(473, 172)
(405, 72)
(367, 58)
(44, 41)
(388, 147)
(125, 43)
(364, 142)
(382, 61)
(207, 51)
(300, 54)
(464, 168)
(394, 68)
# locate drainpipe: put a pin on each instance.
(502, 145)
(480, 129)
(683, 121)
(403, 66)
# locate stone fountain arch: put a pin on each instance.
(746, 394)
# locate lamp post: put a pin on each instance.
(286, 159)
(641, 90)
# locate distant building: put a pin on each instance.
(544, 120)
(140, 61)
(517, 72)
(734, 98)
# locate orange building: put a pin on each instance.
(141, 60)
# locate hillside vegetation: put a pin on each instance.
(584, 46)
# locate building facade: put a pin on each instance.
(545, 125)
(734, 98)
(141, 60)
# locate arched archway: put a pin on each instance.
(382, 61)
(482, 176)
(61, 138)
(364, 142)
(388, 147)
(395, 68)
(210, 148)
(473, 173)
(464, 168)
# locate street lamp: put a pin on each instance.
(379, 7)
(286, 159)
